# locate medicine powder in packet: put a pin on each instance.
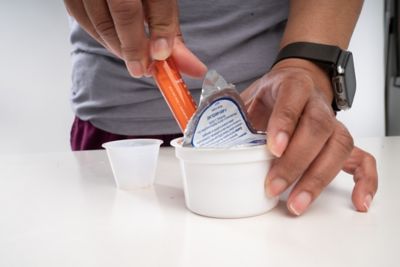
(221, 119)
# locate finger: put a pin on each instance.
(77, 10)
(314, 129)
(354, 160)
(322, 171)
(162, 18)
(257, 111)
(362, 166)
(100, 17)
(259, 102)
(129, 23)
(291, 98)
(187, 62)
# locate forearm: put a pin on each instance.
(322, 21)
(319, 21)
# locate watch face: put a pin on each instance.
(344, 81)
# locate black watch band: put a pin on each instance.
(327, 57)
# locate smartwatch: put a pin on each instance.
(336, 62)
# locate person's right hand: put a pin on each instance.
(119, 25)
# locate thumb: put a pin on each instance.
(186, 61)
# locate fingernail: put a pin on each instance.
(367, 202)
(135, 68)
(276, 186)
(279, 144)
(300, 203)
(160, 49)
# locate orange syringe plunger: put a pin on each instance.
(175, 91)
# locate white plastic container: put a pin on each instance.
(225, 183)
(133, 161)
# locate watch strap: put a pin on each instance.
(326, 55)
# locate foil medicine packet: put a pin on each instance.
(221, 120)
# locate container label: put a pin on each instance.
(222, 124)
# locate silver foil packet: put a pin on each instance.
(221, 120)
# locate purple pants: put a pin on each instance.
(84, 136)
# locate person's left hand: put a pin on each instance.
(292, 103)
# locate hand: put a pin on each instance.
(292, 103)
(119, 25)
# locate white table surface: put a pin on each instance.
(62, 209)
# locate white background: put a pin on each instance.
(35, 114)
(367, 116)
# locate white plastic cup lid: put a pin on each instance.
(133, 161)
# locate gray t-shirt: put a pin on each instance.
(239, 39)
